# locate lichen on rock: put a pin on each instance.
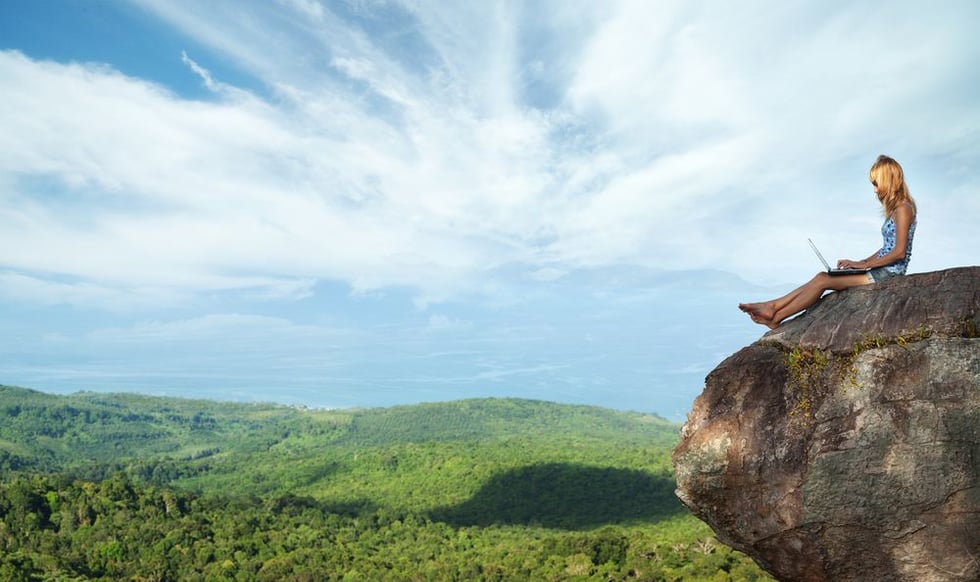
(845, 444)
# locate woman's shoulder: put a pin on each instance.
(905, 208)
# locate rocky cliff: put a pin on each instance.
(845, 444)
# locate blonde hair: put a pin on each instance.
(888, 176)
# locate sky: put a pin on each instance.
(361, 203)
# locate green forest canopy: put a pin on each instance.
(124, 485)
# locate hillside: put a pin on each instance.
(419, 457)
(52, 432)
(570, 488)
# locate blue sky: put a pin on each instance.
(369, 203)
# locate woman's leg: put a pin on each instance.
(772, 313)
(764, 311)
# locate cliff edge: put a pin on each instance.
(845, 444)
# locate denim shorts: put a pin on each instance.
(879, 274)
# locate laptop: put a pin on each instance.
(835, 272)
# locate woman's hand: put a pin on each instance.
(849, 264)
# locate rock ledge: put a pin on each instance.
(845, 444)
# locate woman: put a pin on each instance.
(891, 260)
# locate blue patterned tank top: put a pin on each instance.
(889, 236)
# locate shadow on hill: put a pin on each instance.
(565, 496)
(290, 504)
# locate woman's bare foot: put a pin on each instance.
(761, 313)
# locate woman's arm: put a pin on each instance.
(903, 218)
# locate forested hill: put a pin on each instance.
(57, 432)
(120, 486)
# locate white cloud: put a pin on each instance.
(200, 71)
(679, 137)
(771, 104)
(16, 287)
(308, 8)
